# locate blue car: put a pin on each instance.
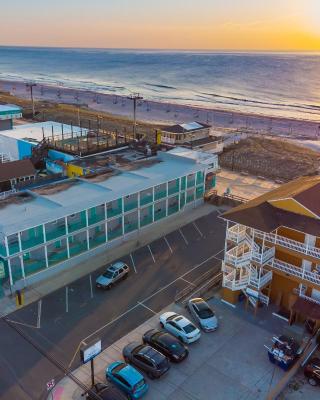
(127, 378)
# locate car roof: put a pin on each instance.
(181, 321)
(131, 374)
(150, 352)
(116, 266)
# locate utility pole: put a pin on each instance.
(31, 85)
(135, 97)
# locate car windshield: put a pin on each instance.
(118, 368)
(170, 343)
(206, 313)
(189, 328)
(108, 274)
(139, 385)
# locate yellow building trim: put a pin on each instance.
(74, 170)
(292, 205)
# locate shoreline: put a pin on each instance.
(166, 113)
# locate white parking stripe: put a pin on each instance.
(183, 237)
(39, 313)
(143, 305)
(67, 299)
(197, 229)
(190, 283)
(91, 290)
(151, 254)
(133, 264)
(168, 244)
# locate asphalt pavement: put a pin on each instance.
(79, 312)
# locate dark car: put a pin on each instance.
(106, 392)
(146, 358)
(167, 344)
(312, 371)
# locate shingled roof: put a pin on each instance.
(16, 169)
(260, 214)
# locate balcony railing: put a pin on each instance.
(296, 271)
(310, 299)
(237, 233)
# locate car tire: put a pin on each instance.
(181, 339)
(151, 376)
(312, 382)
(109, 286)
(161, 324)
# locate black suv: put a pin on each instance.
(167, 344)
(146, 358)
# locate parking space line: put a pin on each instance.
(197, 229)
(183, 237)
(133, 264)
(67, 299)
(91, 291)
(154, 261)
(190, 283)
(143, 305)
(39, 314)
(168, 244)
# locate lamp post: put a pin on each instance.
(31, 85)
(135, 97)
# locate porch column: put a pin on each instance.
(10, 273)
(67, 237)
(122, 216)
(19, 240)
(87, 230)
(263, 246)
(22, 267)
(153, 204)
(226, 241)
(46, 256)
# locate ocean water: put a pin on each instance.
(280, 84)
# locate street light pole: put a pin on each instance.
(31, 86)
(135, 97)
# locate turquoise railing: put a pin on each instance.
(159, 215)
(160, 195)
(93, 219)
(28, 243)
(75, 226)
(191, 182)
(130, 227)
(57, 256)
(146, 220)
(13, 248)
(76, 248)
(113, 212)
(130, 205)
(55, 233)
(32, 266)
(97, 240)
(114, 234)
(173, 209)
(146, 199)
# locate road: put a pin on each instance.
(80, 312)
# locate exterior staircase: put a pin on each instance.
(39, 153)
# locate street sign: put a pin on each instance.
(89, 352)
(2, 270)
(50, 384)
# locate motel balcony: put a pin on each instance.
(239, 233)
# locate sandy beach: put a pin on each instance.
(169, 113)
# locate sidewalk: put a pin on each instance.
(104, 256)
(232, 362)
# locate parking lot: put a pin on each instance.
(230, 363)
(79, 312)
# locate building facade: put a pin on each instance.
(272, 251)
(47, 226)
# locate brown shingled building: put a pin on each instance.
(272, 251)
(14, 172)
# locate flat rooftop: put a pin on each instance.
(34, 132)
(50, 202)
(9, 111)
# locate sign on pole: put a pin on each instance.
(89, 352)
(50, 385)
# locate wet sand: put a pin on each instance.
(169, 113)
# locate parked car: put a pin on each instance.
(128, 379)
(180, 327)
(146, 358)
(312, 371)
(106, 392)
(203, 314)
(167, 344)
(115, 273)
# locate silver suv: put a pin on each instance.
(116, 272)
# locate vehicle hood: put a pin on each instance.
(103, 280)
(209, 323)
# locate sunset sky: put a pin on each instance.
(166, 24)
